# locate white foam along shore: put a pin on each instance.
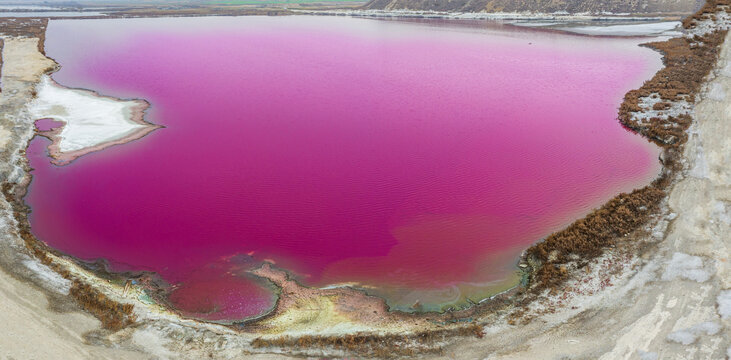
(91, 122)
(665, 28)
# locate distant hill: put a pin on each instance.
(544, 6)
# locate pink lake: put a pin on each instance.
(416, 160)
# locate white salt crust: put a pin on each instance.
(90, 120)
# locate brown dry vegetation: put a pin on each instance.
(113, 315)
(661, 106)
(587, 237)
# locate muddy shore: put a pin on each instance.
(565, 296)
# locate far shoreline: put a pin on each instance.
(364, 293)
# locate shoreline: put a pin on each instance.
(265, 343)
(504, 16)
(366, 294)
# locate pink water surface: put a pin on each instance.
(403, 157)
(47, 124)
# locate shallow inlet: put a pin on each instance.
(415, 160)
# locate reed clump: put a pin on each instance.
(113, 315)
(661, 106)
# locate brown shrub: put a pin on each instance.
(113, 315)
(661, 106)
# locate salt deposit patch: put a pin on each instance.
(644, 355)
(690, 335)
(151, 341)
(724, 304)
(722, 21)
(90, 120)
(687, 267)
(700, 165)
(721, 213)
(726, 71)
(49, 277)
(717, 92)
